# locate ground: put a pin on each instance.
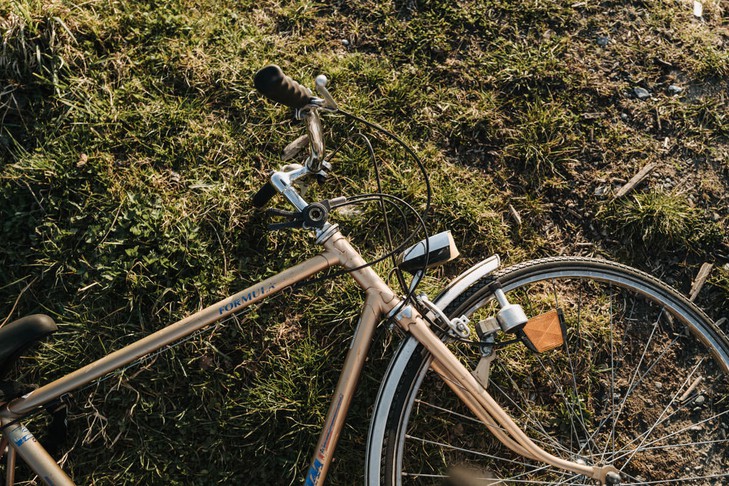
(132, 140)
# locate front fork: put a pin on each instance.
(470, 391)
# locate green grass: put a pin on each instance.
(131, 140)
(661, 221)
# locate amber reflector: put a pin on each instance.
(545, 331)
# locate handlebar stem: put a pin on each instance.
(283, 180)
(316, 141)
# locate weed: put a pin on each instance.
(542, 142)
(662, 221)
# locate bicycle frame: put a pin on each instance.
(380, 302)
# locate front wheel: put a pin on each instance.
(641, 383)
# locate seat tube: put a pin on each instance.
(9, 466)
(34, 455)
(353, 363)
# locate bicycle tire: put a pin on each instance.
(623, 390)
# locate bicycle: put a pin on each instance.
(562, 370)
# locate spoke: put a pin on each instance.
(469, 451)
(492, 482)
(633, 451)
(611, 442)
(560, 389)
(681, 480)
(659, 448)
(532, 423)
(632, 383)
(448, 411)
(474, 420)
(676, 446)
(572, 373)
(635, 383)
(543, 468)
(660, 420)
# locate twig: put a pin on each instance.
(700, 280)
(637, 178)
(16, 301)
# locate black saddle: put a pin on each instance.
(19, 335)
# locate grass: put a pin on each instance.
(132, 139)
(663, 221)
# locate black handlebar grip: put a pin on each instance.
(275, 85)
(264, 195)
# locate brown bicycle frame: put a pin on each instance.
(380, 302)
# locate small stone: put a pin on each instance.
(602, 41)
(641, 93)
(700, 400)
(624, 116)
(345, 42)
(698, 9)
(658, 385)
(82, 160)
(674, 89)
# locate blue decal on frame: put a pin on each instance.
(314, 473)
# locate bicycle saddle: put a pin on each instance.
(17, 336)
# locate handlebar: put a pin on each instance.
(264, 195)
(276, 86)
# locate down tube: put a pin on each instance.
(346, 386)
(168, 335)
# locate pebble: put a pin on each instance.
(658, 385)
(624, 116)
(602, 41)
(674, 89)
(641, 93)
(700, 400)
(345, 42)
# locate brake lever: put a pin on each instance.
(321, 88)
(294, 219)
(313, 216)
